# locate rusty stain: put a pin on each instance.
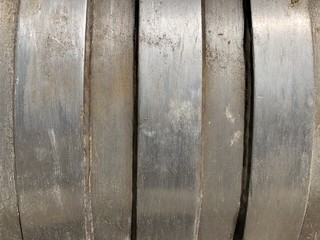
(161, 40)
(119, 226)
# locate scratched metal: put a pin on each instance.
(48, 123)
(9, 218)
(283, 119)
(223, 118)
(170, 85)
(112, 72)
(311, 226)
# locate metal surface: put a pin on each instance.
(223, 118)
(283, 119)
(311, 225)
(170, 85)
(9, 218)
(67, 102)
(112, 72)
(48, 122)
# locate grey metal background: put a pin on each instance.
(111, 107)
(67, 119)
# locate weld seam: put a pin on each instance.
(87, 128)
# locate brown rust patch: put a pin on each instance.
(59, 40)
(162, 40)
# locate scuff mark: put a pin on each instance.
(148, 133)
(236, 137)
(183, 115)
(56, 40)
(57, 193)
(229, 115)
(52, 137)
(56, 158)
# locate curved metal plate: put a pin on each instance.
(223, 118)
(9, 218)
(170, 85)
(283, 119)
(112, 72)
(48, 123)
(311, 225)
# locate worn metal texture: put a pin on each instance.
(170, 96)
(311, 225)
(48, 122)
(223, 118)
(283, 119)
(9, 218)
(111, 78)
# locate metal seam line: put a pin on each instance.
(135, 122)
(87, 130)
(13, 117)
(249, 108)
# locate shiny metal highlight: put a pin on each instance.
(283, 119)
(223, 118)
(170, 96)
(48, 121)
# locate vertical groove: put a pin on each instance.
(87, 130)
(135, 124)
(311, 5)
(249, 108)
(201, 187)
(17, 15)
